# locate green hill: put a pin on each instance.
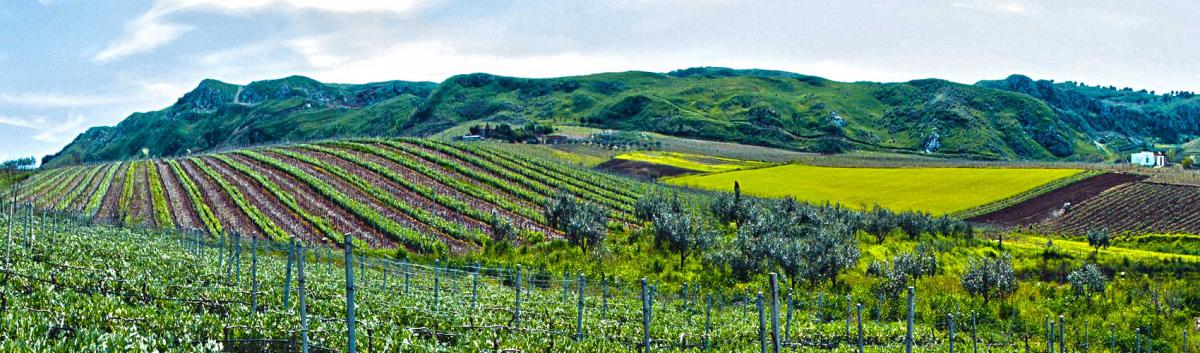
(1012, 119)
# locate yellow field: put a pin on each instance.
(705, 164)
(935, 190)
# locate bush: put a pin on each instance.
(990, 278)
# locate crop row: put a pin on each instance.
(162, 209)
(211, 224)
(1141, 207)
(259, 218)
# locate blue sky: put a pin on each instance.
(66, 65)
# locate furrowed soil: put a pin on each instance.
(1047, 205)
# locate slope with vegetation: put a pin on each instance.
(1012, 119)
(422, 195)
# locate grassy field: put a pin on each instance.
(935, 190)
(705, 164)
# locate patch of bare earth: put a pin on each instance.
(182, 209)
(231, 216)
(108, 207)
(275, 210)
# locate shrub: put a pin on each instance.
(990, 278)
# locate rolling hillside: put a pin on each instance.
(413, 193)
(1012, 119)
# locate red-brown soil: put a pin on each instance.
(232, 218)
(645, 170)
(1046, 205)
(183, 212)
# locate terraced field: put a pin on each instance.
(1136, 208)
(422, 195)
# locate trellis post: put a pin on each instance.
(708, 323)
(579, 318)
(300, 294)
(604, 297)
(762, 323)
(287, 278)
(645, 317)
(437, 285)
(974, 334)
(849, 314)
(237, 277)
(908, 337)
(1062, 340)
(787, 329)
(407, 274)
(860, 328)
(951, 318)
(254, 276)
(474, 288)
(775, 340)
(516, 304)
(349, 245)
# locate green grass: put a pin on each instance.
(162, 210)
(699, 163)
(934, 190)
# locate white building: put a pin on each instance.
(1148, 159)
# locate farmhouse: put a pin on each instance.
(1148, 159)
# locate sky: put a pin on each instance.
(66, 65)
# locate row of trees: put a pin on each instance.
(527, 133)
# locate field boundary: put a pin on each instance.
(1027, 195)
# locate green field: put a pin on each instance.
(935, 190)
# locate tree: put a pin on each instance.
(682, 232)
(729, 208)
(904, 267)
(583, 223)
(990, 278)
(18, 164)
(879, 222)
(502, 228)
(1098, 238)
(831, 250)
(1087, 280)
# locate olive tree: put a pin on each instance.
(990, 278)
(1098, 239)
(895, 276)
(1087, 281)
(502, 228)
(683, 232)
(583, 223)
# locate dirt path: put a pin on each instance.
(1051, 203)
(112, 197)
(277, 212)
(232, 218)
(142, 204)
(312, 202)
(182, 209)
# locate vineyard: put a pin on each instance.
(1136, 208)
(421, 195)
(104, 288)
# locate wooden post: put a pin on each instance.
(303, 305)
(860, 328)
(908, 337)
(762, 323)
(645, 318)
(437, 285)
(775, 339)
(708, 323)
(237, 274)
(349, 246)
(475, 288)
(604, 297)
(1138, 333)
(516, 305)
(1062, 341)
(787, 330)
(254, 276)
(579, 318)
(287, 278)
(951, 318)
(974, 334)
(849, 314)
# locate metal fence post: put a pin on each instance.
(579, 318)
(1062, 341)
(300, 294)
(762, 323)
(645, 318)
(860, 328)
(254, 276)
(775, 340)
(437, 285)
(287, 278)
(951, 318)
(517, 304)
(708, 323)
(908, 337)
(237, 276)
(349, 245)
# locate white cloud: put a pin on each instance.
(153, 29)
(62, 131)
(48, 130)
(58, 99)
(1015, 7)
(28, 123)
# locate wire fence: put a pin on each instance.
(252, 295)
